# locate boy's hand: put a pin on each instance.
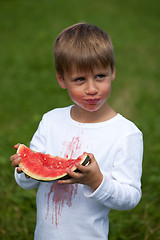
(15, 159)
(89, 175)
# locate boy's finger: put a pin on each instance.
(19, 170)
(73, 174)
(16, 161)
(27, 176)
(68, 181)
(16, 146)
(13, 157)
(82, 168)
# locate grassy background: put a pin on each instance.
(28, 89)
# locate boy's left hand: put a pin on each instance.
(89, 175)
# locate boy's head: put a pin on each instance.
(84, 46)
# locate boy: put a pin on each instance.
(78, 208)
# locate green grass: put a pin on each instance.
(28, 89)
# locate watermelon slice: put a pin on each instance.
(45, 167)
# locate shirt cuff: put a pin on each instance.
(103, 189)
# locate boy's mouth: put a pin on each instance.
(92, 101)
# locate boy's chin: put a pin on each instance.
(91, 109)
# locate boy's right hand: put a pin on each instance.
(15, 159)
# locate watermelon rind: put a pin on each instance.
(84, 159)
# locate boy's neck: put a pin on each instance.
(81, 115)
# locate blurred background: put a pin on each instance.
(28, 89)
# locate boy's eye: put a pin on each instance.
(80, 79)
(100, 76)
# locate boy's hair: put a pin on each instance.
(83, 45)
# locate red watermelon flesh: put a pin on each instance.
(46, 167)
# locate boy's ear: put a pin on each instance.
(60, 80)
(113, 74)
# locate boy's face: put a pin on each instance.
(89, 90)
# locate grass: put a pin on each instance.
(28, 89)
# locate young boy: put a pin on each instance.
(78, 208)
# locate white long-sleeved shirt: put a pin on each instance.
(75, 211)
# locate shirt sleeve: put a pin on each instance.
(25, 183)
(122, 189)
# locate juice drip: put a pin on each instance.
(57, 197)
(72, 149)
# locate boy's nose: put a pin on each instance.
(91, 88)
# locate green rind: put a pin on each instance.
(63, 176)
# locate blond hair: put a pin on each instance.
(83, 45)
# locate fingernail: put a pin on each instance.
(18, 154)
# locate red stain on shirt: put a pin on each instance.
(60, 195)
(71, 149)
